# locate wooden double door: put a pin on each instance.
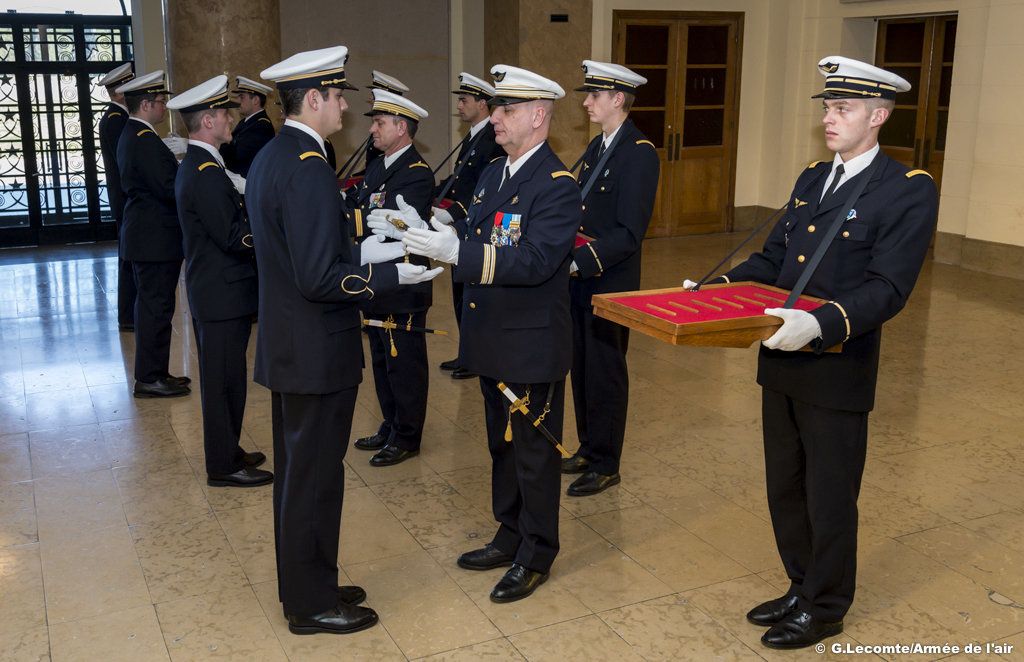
(688, 109)
(920, 49)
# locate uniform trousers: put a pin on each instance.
(457, 300)
(223, 379)
(310, 439)
(157, 284)
(126, 293)
(600, 388)
(814, 460)
(526, 479)
(401, 381)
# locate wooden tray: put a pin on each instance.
(725, 315)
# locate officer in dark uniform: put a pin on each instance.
(620, 177)
(816, 404)
(111, 125)
(400, 179)
(151, 235)
(253, 131)
(477, 150)
(516, 328)
(221, 277)
(379, 81)
(309, 348)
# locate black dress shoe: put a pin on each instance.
(351, 595)
(592, 483)
(576, 464)
(391, 454)
(374, 442)
(254, 459)
(161, 388)
(518, 583)
(450, 365)
(184, 381)
(244, 477)
(771, 612)
(462, 373)
(485, 558)
(799, 630)
(342, 619)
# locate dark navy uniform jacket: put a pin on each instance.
(111, 125)
(477, 153)
(247, 139)
(516, 324)
(310, 282)
(219, 258)
(410, 177)
(616, 214)
(150, 231)
(866, 275)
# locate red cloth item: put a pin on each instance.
(747, 301)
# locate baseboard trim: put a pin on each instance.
(978, 255)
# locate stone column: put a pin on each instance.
(210, 37)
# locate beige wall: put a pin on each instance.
(408, 39)
(779, 129)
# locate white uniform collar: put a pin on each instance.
(514, 167)
(607, 140)
(305, 128)
(121, 106)
(261, 110)
(856, 165)
(476, 128)
(139, 119)
(389, 160)
(209, 148)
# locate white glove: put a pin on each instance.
(689, 284)
(176, 143)
(377, 220)
(441, 244)
(799, 327)
(442, 215)
(573, 268)
(374, 250)
(410, 274)
(237, 180)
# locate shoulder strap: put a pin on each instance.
(832, 231)
(600, 164)
(458, 169)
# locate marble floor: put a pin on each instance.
(113, 548)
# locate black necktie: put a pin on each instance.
(835, 182)
(600, 150)
(508, 175)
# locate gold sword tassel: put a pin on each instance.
(389, 325)
(519, 405)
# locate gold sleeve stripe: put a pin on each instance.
(590, 245)
(462, 205)
(562, 173)
(726, 278)
(812, 164)
(264, 119)
(645, 142)
(487, 272)
(204, 166)
(496, 158)
(247, 241)
(146, 131)
(359, 222)
(114, 114)
(364, 281)
(311, 153)
(846, 319)
(419, 164)
(914, 173)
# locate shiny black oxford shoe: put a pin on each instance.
(351, 595)
(576, 464)
(769, 613)
(485, 558)
(518, 583)
(374, 442)
(592, 483)
(244, 477)
(391, 454)
(341, 619)
(799, 630)
(254, 459)
(161, 388)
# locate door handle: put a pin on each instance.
(678, 143)
(668, 149)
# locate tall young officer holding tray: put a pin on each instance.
(815, 405)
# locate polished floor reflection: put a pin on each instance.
(113, 548)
